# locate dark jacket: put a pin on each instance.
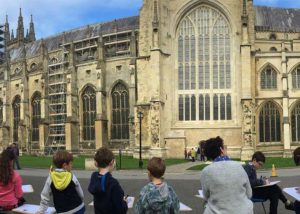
(108, 194)
(251, 172)
(66, 191)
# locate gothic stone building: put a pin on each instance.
(195, 68)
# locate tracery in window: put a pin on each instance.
(36, 116)
(120, 112)
(204, 66)
(296, 78)
(295, 123)
(89, 113)
(16, 120)
(269, 123)
(268, 78)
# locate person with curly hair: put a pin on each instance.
(225, 184)
(11, 194)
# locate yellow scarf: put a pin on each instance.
(61, 179)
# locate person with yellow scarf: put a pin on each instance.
(63, 185)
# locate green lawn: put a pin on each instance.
(27, 161)
(278, 162)
(127, 162)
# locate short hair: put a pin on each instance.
(259, 156)
(212, 147)
(61, 157)
(156, 167)
(103, 157)
(296, 154)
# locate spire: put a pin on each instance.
(155, 22)
(20, 29)
(27, 35)
(31, 30)
(244, 8)
(6, 29)
(12, 37)
(245, 15)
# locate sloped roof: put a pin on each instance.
(88, 31)
(277, 19)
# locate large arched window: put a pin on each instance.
(268, 78)
(204, 66)
(120, 112)
(16, 120)
(1, 111)
(89, 113)
(295, 123)
(269, 123)
(35, 116)
(296, 78)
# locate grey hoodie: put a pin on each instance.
(159, 199)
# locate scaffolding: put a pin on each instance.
(57, 106)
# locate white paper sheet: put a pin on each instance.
(183, 207)
(27, 188)
(270, 184)
(292, 191)
(201, 195)
(32, 209)
(130, 201)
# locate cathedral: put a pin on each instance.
(178, 73)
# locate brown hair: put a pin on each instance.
(297, 156)
(156, 167)
(61, 157)
(6, 168)
(212, 147)
(103, 157)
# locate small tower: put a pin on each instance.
(31, 30)
(245, 23)
(6, 28)
(20, 29)
(155, 25)
(12, 37)
(27, 36)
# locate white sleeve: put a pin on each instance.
(204, 185)
(78, 187)
(45, 196)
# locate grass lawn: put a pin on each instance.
(127, 162)
(278, 162)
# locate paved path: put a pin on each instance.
(185, 182)
(174, 172)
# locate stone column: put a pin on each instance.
(4, 128)
(43, 134)
(101, 120)
(132, 88)
(71, 125)
(285, 106)
(247, 129)
(246, 95)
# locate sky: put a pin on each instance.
(55, 16)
